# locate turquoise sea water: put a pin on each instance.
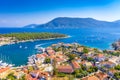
(94, 37)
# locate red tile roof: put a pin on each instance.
(65, 69)
(100, 55)
(113, 71)
(101, 75)
(44, 54)
(41, 74)
(41, 55)
(75, 65)
(52, 56)
(107, 62)
(4, 69)
(91, 78)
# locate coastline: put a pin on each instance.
(31, 40)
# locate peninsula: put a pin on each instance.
(12, 38)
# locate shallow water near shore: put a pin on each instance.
(93, 37)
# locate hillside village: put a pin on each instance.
(64, 61)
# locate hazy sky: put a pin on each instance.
(17, 13)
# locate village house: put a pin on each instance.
(4, 72)
(87, 64)
(65, 69)
(75, 65)
(102, 76)
(19, 74)
(80, 49)
(91, 78)
(115, 59)
(99, 57)
(38, 75)
(59, 57)
(46, 67)
(111, 72)
(41, 57)
(59, 60)
(50, 52)
(67, 45)
(78, 60)
(53, 45)
(107, 64)
(85, 55)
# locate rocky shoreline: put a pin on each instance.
(116, 45)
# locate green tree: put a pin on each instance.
(28, 35)
(80, 75)
(47, 60)
(92, 69)
(104, 51)
(117, 67)
(83, 67)
(61, 74)
(71, 56)
(117, 75)
(30, 68)
(90, 59)
(55, 71)
(23, 78)
(11, 77)
(76, 71)
(85, 50)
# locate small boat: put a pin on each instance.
(37, 46)
(26, 47)
(41, 49)
(1, 61)
(4, 64)
(20, 46)
(10, 65)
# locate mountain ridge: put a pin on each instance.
(67, 22)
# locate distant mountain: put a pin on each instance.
(31, 26)
(118, 21)
(66, 22)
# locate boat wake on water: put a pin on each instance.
(40, 45)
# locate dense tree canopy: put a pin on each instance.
(28, 36)
(117, 75)
(117, 67)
